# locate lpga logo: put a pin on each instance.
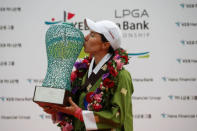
(66, 16)
(140, 55)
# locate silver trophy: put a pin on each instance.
(63, 43)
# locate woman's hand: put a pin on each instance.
(46, 107)
(68, 109)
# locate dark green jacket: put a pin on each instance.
(119, 116)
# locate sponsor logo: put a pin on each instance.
(188, 42)
(34, 81)
(15, 99)
(6, 27)
(186, 61)
(10, 45)
(2, 99)
(137, 13)
(9, 81)
(44, 116)
(15, 117)
(142, 79)
(134, 20)
(179, 79)
(10, 9)
(185, 5)
(186, 98)
(190, 116)
(68, 16)
(186, 24)
(146, 98)
(134, 13)
(7, 63)
(163, 115)
(126, 25)
(142, 116)
(140, 55)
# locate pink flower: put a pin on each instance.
(98, 98)
(117, 56)
(119, 64)
(67, 127)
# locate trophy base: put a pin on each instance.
(49, 96)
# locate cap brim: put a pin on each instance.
(91, 25)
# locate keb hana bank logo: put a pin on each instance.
(44, 116)
(2, 98)
(188, 5)
(178, 116)
(124, 14)
(68, 17)
(15, 99)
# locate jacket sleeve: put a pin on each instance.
(120, 114)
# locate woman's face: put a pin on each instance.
(93, 43)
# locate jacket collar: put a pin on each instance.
(99, 65)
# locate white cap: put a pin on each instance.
(109, 29)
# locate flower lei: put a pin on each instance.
(99, 99)
(64, 121)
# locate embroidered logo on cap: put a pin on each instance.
(111, 34)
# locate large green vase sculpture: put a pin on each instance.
(63, 44)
